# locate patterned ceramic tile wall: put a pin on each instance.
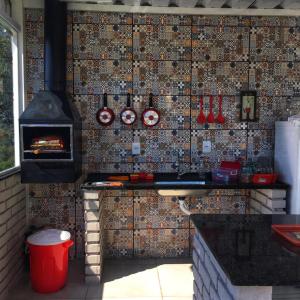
(144, 224)
(178, 58)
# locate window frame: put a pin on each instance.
(18, 78)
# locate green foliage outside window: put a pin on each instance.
(7, 156)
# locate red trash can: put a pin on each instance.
(48, 251)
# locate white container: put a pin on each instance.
(49, 237)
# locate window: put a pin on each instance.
(9, 99)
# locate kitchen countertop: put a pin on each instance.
(160, 177)
(247, 249)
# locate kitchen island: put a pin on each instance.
(239, 257)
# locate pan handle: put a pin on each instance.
(150, 100)
(128, 100)
(105, 100)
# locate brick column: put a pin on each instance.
(94, 235)
(268, 202)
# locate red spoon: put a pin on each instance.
(220, 118)
(210, 117)
(201, 119)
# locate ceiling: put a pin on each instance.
(235, 4)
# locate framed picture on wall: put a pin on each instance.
(248, 106)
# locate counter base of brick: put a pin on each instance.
(267, 201)
(94, 237)
(210, 281)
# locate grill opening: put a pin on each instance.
(47, 142)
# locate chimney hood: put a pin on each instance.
(50, 126)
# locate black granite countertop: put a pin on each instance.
(160, 178)
(247, 249)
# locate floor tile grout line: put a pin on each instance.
(160, 287)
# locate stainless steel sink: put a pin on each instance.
(181, 192)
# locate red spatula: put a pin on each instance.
(210, 117)
(201, 119)
(220, 118)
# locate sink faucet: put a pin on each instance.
(179, 173)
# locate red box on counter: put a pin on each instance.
(264, 178)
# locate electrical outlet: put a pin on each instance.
(206, 148)
(136, 148)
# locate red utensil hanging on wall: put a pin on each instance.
(210, 117)
(105, 116)
(128, 114)
(220, 118)
(201, 119)
(150, 116)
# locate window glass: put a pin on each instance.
(7, 147)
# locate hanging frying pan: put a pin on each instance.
(128, 115)
(150, 116)
(105, 116)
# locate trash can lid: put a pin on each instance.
(49, 237)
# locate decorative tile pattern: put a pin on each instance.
(227, 78)
(99, 76)
(52, 190)
(101, 18)
(118, 213)
(96, 41)
(231, 112)
(119, 243)
(119, 193)
(273, 21)
(158, 212)
(161, 146)
(161, 167)
(161, 77)
(93, 167)
(269, 110)
(219, 204)
(35, 75)
(69, 61)
(226, 145)
(107, 146)
(161, 42)
(275, 78)
(34, 15)
(162, 20)
(220, 43)
(221, 20)
(34, 32)
(260, 144)
(156, 242)
(275, 44)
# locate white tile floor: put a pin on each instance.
(151, 279)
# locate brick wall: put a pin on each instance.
(267, 202)
(12, 229)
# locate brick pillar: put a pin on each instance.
(94, 242)
(268, 202)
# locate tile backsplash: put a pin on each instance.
(178, 58)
